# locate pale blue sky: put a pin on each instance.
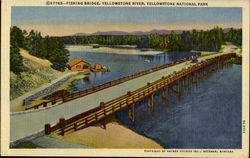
(55, 20)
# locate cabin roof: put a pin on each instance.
(76, 61)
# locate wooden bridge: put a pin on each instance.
(184, 78)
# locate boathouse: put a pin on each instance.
(97, 68)
(78, 64)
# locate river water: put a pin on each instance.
(209, 117)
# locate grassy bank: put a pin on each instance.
(237, 61)
(36, 72)
(24, 145)
(64, 89)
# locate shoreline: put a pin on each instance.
(113, 50)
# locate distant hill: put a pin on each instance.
(130, 33)
(111, 33)
(154, 31)
(226, 30)
(81, 34)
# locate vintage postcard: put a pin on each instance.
(125, 78)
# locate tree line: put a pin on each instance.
(209, 40)
(50, 48)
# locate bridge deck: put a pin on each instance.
(30, 122)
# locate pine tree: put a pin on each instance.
(16, 60)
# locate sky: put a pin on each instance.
(61, 21)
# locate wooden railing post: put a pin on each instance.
(44, 104)
(62, 124)
(64, 99)
(104, 112)
(47, 129)
(75, 127)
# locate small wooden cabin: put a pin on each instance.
(78, 64)
(97, 68)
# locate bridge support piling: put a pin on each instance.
(207, 71)
(167, 93)
(195, 79)
(133, 118)
(187, 84)
(149, 101)
(218, 64)
(203, 69)
(201, 74)
(191, 79)
(198, 77)
(152, 106)
(175, 89)
(163, 94)
(184, 84)
(179, 89)
(129, 112)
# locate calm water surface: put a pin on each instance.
(209, 117)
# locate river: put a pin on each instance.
(209, 117)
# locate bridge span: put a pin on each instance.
(82, 112)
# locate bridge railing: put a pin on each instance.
(86, 119)
(72, 96)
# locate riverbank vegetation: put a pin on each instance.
(35, 72)
(50, 48)
(64, 89)
(209, 40)
(32, 58)
(237, 61)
